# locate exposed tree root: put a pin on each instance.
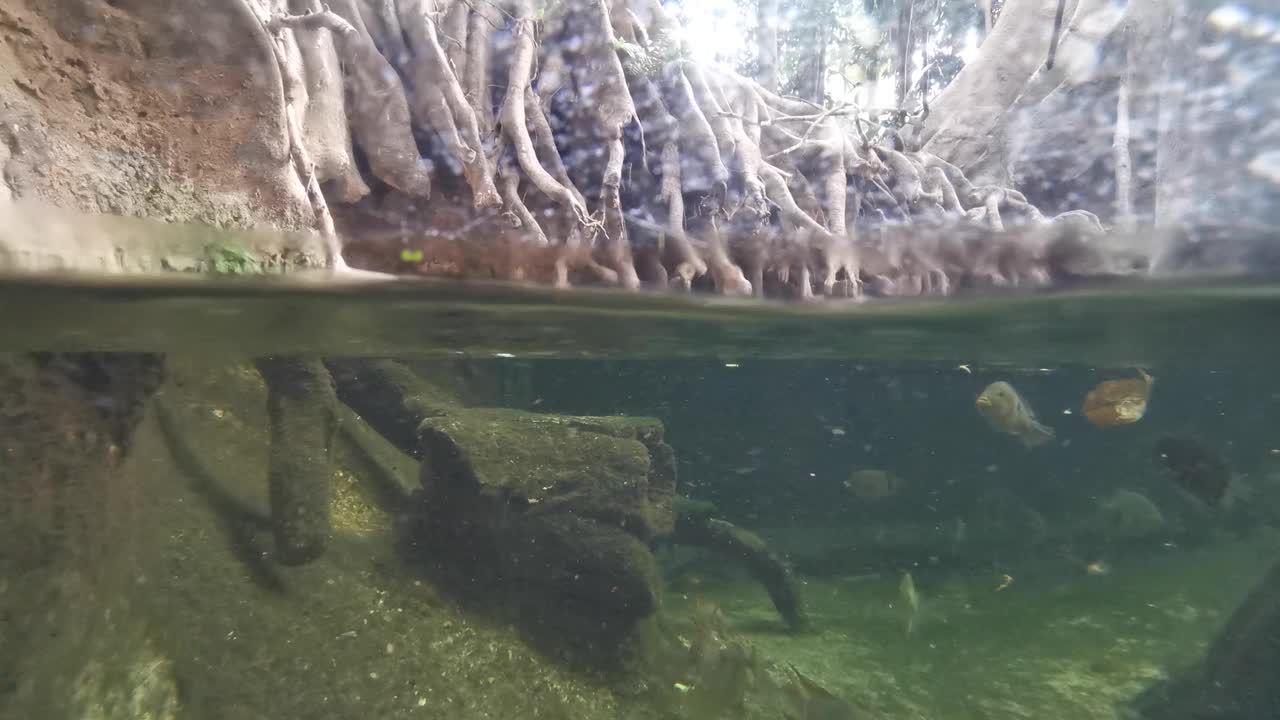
(379, 113)
(440, 100)
(616, 159)
(294, 108)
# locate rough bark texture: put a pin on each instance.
(967, 113)
(1132, 120)
(575, 144)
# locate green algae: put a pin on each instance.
(1059, 644)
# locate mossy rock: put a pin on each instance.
(558, 511)
(595, 467)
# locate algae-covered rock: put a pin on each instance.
(602, 468)
(557, 510)
(554, 510)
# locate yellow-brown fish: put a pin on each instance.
(869, 484)
(1006, 412)
(1119, 402)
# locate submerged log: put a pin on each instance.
(300, 409)
(552, 513)
(68, 511)
(560, 509)
(557, 510)
(764, 565)
(1236, 678)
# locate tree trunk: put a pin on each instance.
(965, 118)
(811, 70)
(1120, 149)
(767, 44)
(903, 42)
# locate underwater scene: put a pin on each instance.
(639, 360)
(257, 500)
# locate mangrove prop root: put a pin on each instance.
(580, 119)
(300, 407)
(732, 541)
(379, 112)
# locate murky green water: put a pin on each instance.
(518, 503)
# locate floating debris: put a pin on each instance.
(1006, 412)
(1195, 468)
(1119, 402)
(1005, 581)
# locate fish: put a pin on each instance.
(1195, 468)
(869, 484)
(1006, 412)
(811, 701)
(1118, 402)
(908, 601)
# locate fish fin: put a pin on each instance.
(1036, 435)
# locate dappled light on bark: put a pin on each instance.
(580, 143)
